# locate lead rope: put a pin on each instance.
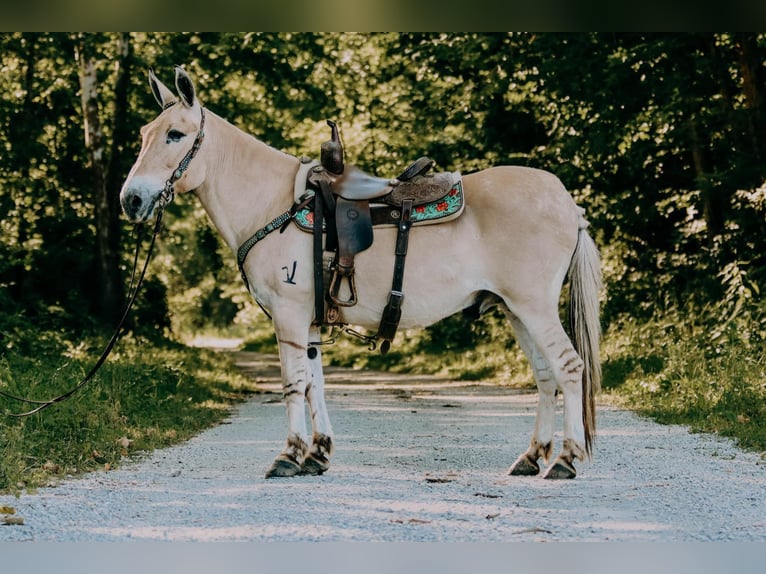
(163, 199)
(133, 292)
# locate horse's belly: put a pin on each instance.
(441, 276)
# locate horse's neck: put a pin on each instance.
(247, 183)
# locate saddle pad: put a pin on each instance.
(445, 209)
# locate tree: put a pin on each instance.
(661, 137)
(103, 163)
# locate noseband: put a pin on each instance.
(168, 194)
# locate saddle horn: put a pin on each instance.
(332, 151)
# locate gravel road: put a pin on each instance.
(417, 459)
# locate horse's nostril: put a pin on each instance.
(135, 202)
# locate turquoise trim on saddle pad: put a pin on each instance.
(445, 209)
(304, 218)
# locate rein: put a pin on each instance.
(163, 199)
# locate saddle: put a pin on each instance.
(342, 208)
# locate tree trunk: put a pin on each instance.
(114, 175)
(712, 211)
(753, 82)
(715, 196)
(105, 196)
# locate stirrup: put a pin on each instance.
(335, 284)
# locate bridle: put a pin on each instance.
(168, 194)
(163, 199)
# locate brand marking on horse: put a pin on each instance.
(290, 275)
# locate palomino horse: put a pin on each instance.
(519, 237)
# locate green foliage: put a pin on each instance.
(659, 136)
(681, 371)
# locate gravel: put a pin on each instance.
(416, 459)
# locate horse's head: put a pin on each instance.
(169, 144)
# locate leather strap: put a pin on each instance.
(392, 313)
(318, 252)
(169, 193)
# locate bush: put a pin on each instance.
(701, 375)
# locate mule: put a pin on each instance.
(521, 235)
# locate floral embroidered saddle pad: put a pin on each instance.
(444, 209)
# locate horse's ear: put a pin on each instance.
(162, 93)
(185, 87)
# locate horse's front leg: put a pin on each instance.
(293, 347)
(318, 459)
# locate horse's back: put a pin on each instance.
(524, 203)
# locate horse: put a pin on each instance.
(520, 237)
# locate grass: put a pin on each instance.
(711, 381)
(147, 395)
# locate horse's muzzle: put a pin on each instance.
(138, 204)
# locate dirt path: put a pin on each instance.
(417, 459)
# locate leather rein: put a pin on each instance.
(163, 199)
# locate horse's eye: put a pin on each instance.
(174, 136)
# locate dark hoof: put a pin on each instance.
(314, 466)
(559, 470)
(524, 466)
(283, 468)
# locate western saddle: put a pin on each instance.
(341, 205)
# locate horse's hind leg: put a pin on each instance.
(541, 445)
(318, 459)
(550, 342)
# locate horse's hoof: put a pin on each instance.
(524, 466)
(560, 469)
(283, 468)
(313, 466)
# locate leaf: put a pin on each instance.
(450, 476)
(7, 510)
(411, 521)
(533, 529)
(124, 442)
(13, 520)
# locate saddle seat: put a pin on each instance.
(414, 183)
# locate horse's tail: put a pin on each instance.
(585, 328)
